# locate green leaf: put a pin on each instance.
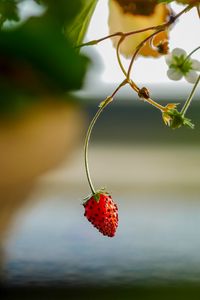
(36, 59)
(63, 11)
(9, 10)
(47, 50)
(77, 29)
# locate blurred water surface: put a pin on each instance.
(157, 242)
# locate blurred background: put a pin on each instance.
(48, 248)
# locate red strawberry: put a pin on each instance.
(102, 212)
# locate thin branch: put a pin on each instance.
(118, 56)
(125, 34)
(139, 47)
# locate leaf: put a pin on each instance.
(47, 49)
(62, 11)
(39, 48)
(9, 10)
(77, 29)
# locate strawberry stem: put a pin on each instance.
(139, 47)
(87, 139)
(118, 56)
(102, 105)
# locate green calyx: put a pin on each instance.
(177, 119)
(181, 64)
(96, 196)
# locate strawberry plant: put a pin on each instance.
(41, 57)
(149, 41)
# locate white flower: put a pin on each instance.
(182, 66)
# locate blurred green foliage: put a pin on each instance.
(77, 29)
(37, 57)
(8, 11)
(179, 290)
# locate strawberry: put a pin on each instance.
(102, 212)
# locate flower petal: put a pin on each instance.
(174, 74)
(191, 77)
(195, 64)
(178, 52)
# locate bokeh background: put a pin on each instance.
(49, 249)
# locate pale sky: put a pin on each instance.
(185, 34)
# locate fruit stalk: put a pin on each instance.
(87, 139)
(102, 105)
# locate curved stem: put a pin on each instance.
(198, 10)
(186, 9)
(124, 82)
(159, 28)
(138, 50)
(121, 34)
(125, 34)
(87, 139)
(118, 56)
(155, 104)
(103, 104)
(188, 101)
(133, 85)
(190, 54)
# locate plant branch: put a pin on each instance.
(120, 34)
(190, 54)
(188, 101)
(158, 29)
(118, 56)
(198, 10)
(103, 104)
(139, 47)
(125, 34)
